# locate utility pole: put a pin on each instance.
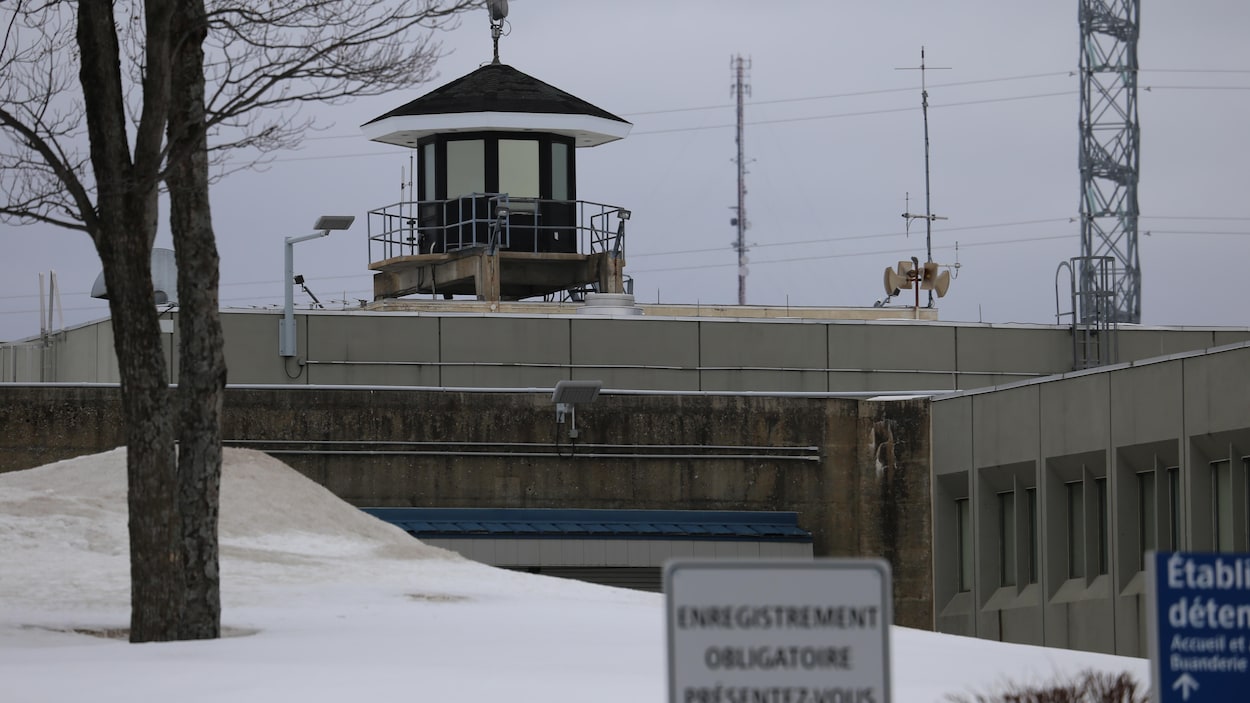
(740, 89)
(929, 217)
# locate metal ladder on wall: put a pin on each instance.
(1095, 331)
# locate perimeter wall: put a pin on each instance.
(855, 471)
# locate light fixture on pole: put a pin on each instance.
(286, 326)
(567, 395)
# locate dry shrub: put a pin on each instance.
(1089, 687)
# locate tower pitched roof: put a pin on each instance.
(497, 97)
(498, 87)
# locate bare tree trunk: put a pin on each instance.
(155, 559)
(124, 227)
(202, 367)
(291, 54)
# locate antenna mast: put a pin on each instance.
(928, 215)
(498, 11)
(740, 89)
(1110, 158)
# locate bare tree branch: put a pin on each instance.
(264, 64)
(43, 173)
(40, 197)
(141, 79)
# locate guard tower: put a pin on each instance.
(495, 213)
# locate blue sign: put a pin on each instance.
(1200, 627)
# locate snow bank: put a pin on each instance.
(343, 606)
(64, 540)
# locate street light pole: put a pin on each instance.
(287, 345)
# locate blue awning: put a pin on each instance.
(545, 523)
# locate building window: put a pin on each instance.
(1104, 532)
(1174, 508)
(518, 168)
(1076, 528)
(560, 172)
(466, 167)
(1222, 505)
(1007, 539)
(1147, 520)
(428, 177)
(963, 524)
(1245, 467)
(1030, 501)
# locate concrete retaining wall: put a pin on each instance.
(855, 471)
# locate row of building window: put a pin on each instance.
(1224, 502)
(1147, 511)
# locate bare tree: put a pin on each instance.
(202, 363)
(264, 66)
(162, 85)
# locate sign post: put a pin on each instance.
(778, 631)
(1199, 626)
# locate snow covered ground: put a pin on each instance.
(324, 603)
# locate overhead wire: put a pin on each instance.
(854, 94)
(799, 99)
(841, 115)
(863, 93)
(753, 123)
(824, 240)
(847, 255)
(961, 245)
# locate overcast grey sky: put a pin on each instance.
(834, 139)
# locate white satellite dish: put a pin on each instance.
(164, 279)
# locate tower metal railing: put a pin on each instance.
(530, 225)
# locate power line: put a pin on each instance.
(334, 156)
(1196, 231)
(1151, 88)
(783, 101)
(879, 235)
(784, 120)
(864, 113)
(861, 113)
(884, 252)
(864, 93)
(848, 255)
(802, 242)
(1194, 217)
(232, 284)
(1193, 70)
(855, 94)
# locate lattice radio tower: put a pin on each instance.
(741, 89)
(1109, 158)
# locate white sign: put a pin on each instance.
(778, 631)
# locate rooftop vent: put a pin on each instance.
(609, 304)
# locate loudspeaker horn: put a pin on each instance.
(894, 281)
(941, 283)
(928, 271)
